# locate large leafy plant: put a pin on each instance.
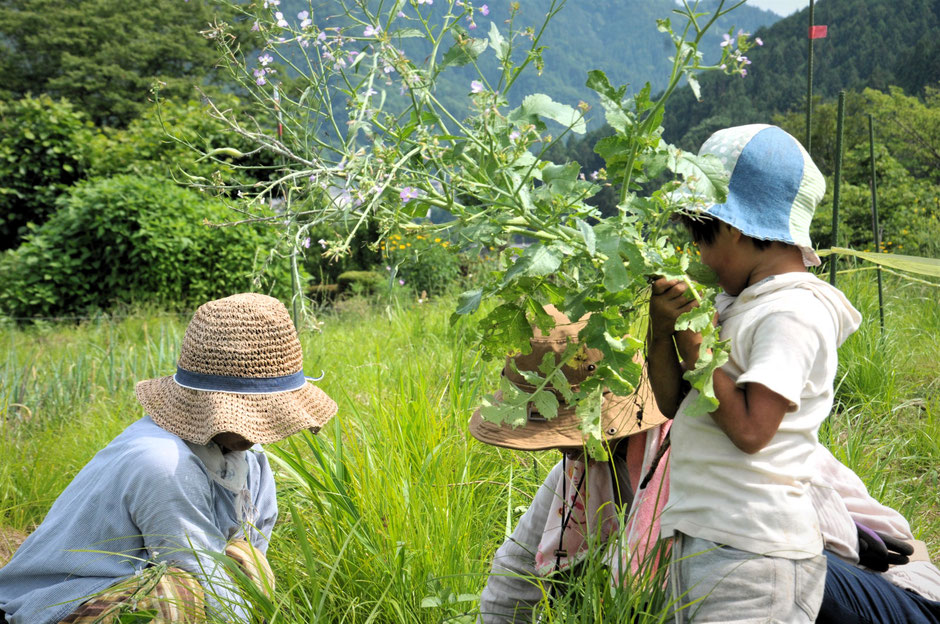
(362, 136)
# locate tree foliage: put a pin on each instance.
(870, 42)
(41, 154)
(104, 55)
(132, 239)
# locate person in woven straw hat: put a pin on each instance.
(142, 525)
(578, 510)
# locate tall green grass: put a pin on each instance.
(392, 513)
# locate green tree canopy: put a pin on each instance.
(104, 55)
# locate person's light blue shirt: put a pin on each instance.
(146, 497)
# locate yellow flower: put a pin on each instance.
(420, 237)
(401, 246)
(437, 240)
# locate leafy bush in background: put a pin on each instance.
(324, 268)
(165, 141)
(135, 239)
(41, 143)
(425, 262)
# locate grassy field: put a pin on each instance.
(392, 513)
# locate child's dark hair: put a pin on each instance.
(704, 228)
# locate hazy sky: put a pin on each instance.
(781, 7)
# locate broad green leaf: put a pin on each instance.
(589, 416)
(695, 319)
(616, 277)
(498, 42)
(597, 81)
(587, 233)
(694, 85)
(506, 329)
(569, 171)
(469, 301)
(464, 51)
(406, 33)
(544, 260)
(702, 379)
(699, 272)
(543, 106)
(546, 403)
(705, 176)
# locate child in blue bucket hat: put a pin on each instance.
(747, 544)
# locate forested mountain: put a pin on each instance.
(870, 43)
(618, 37)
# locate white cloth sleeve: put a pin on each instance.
(782, 354)
(513, 589)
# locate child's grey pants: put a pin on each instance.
(715, 583)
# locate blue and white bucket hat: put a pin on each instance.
(773, 187)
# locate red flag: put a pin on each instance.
(818, 32)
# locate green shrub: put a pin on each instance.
(362, 256)
(166, 140)
(41, 143)
(424, 263)
(131, 239)
(359, 282)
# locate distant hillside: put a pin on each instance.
(871, 43)
(616, 36)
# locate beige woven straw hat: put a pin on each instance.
(240, 370)
(621, 416)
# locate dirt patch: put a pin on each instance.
(10, 540)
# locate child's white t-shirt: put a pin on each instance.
(784, 333)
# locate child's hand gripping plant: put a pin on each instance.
(362, 134)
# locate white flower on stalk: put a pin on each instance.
(281, 22)
(265, 59)
(305, 20)
(476, 86)
(371, 31)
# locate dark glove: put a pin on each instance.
(877, 551)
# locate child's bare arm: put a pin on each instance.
(667, 302)
(750, 416)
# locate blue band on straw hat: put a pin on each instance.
(241, 385)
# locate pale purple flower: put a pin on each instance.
(388, 268)
(281, 22)
(265, 59)
(476, 86)
(743, 72)
(273, 3)
(728, 40)
(758, 41)
(260, 81)
(485, 10)
(401, 282)
(370, 92)
(425, 1)
(304, 18)
(372, 31)
(594, 175)
(514, 135)
(322, 243)
(472, 25)
(255, 27)
(388, 69)
(401, 14)
(306, 243)
(321, 36)
(407, 194)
